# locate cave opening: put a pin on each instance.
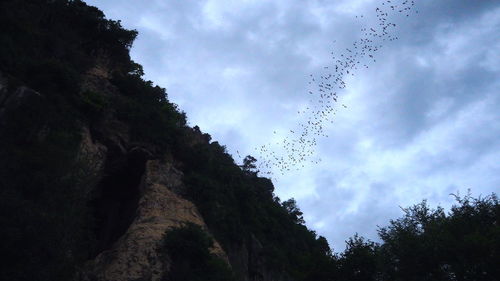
(115, 205)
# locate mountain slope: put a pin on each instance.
(99, 166)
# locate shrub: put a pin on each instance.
(189, 250)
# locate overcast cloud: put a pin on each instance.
(421, 122)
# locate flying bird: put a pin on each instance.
(299, 146)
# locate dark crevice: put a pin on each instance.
(116, 204)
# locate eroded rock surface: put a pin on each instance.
(135, 255)
(91, 159)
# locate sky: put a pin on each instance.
(418, 120)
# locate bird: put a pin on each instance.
(299, 145)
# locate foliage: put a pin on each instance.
(147, 112)
(359, 260)
(188, 248)
(240, 206)
(70, 37)
(37, 35)
(48, 45)
(43, 213)
(429, 244)
(290, 206)
(249, 165)
(93, 105)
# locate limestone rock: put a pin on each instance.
(135, 255)
(91, 159)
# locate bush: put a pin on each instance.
(189, 250)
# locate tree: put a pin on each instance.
(428, 244)
(249, 166)
(293, 210)
(189, 250)
(359, 260)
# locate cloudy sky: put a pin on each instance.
(421, 122)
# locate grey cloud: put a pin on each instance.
(423, 120)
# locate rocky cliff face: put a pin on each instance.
(136, 193)
(136, 254)
(97, 166)
(138, 198)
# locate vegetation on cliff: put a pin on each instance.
(48, 216)
(189, 249)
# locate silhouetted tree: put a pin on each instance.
(293, 210)
(249, 165)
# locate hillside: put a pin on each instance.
(100, 161)
(102, 178)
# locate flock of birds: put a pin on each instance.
(298, 147)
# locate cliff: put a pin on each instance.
(136, 192)
(102, 173)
